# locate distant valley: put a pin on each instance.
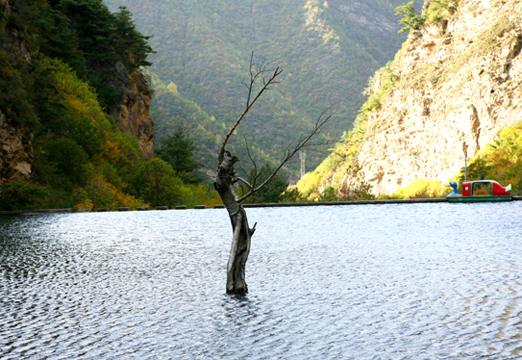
(328, 49)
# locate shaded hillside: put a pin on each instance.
(454, 85)
(328, 50)
(64, 66)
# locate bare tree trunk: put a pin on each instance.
(226, 178)
(236, 283)
(224, 185)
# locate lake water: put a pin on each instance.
(407, 281)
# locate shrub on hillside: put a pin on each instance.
(23, 195)
(420, 189)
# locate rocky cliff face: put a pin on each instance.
(16, 152)
(132, 112)
(454, 84)
(18, 115)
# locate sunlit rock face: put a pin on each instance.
(132, 111)
(16, 152)
(458, 82)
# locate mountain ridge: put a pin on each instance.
(203, 48)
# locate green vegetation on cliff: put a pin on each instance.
(421, 89)
(57, 60)
(500, 160)
(328, 50)
(436, 11)
(343, 159)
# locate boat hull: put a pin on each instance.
(472, 199)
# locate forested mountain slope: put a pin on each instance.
(65, 67)
(328, 49)
(454, 85)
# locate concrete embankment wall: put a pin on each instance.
(159, 208)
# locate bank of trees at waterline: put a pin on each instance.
(82, 160)
(58, 90)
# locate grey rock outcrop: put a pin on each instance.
(457, 82)
(16, 152)
(132, 111)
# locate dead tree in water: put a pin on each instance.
(226, 178)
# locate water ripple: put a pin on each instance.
(351, 282)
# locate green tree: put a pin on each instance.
(98, 192)
(177, 150)
(91, 39)
(409, 17)
(477, 169)
(16, 100)
(440, 9)
(130, 42)
(273, 191)
(69, 161)
(157, 183)
(56, 40)
(68, 107)
(22, 195)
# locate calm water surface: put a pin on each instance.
(426, 281)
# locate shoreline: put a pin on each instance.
(163, 208)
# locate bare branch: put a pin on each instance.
(302, 143)
(254, 164)
(254, 76)
(249, 87)
(242, 180)
(226, 178)
(254, 173)
(247, 148)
